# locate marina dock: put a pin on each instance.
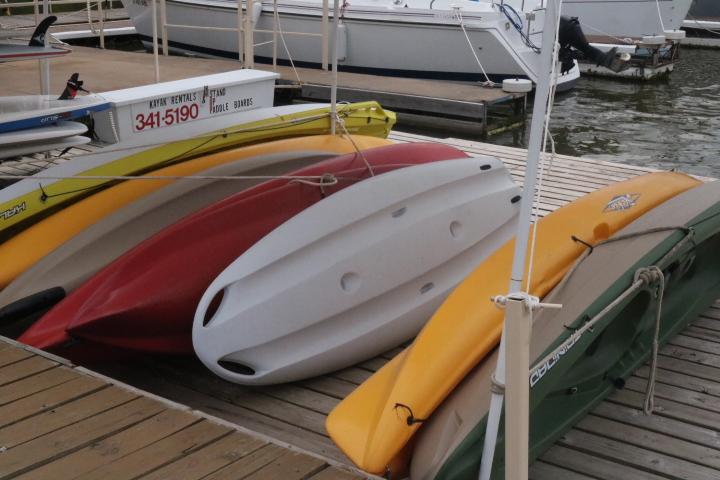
(615, 441)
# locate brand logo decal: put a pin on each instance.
(537, 374)
(622, 202)
(12, 211)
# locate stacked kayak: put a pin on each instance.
(146, 299)
(355, 274)
(55, 255)
(576, 368)
(374, 424)
(25, 201)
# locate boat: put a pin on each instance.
(703, 24)
(574, 369)
(626, 18)
(704, 9)
(382, 254)
(410, 38)
(25, 201)
(82, 238)
(374, 424)
(133, 307)
(36, 49)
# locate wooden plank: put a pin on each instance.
(594, 465)
(37, 383)
(289, 466)
(9, 356)
(209, 459)
(650, 440)
(114, 447)
(659, 423)
(330, 386)
(48, 399)
(160, 453)
(690, 355)
(545, 471)
(335, 473)
(700, 333)
(353, 375)
(682, 380)
(76, 436)
(63, 416)
(709, 322)
(249, 465)
(639, 458)
(24, 368)
(689, 369)
(302, 397)
(688, 397)
(669, 408)
(696, 344)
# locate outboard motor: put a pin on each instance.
(574, 45)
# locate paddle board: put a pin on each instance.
(28, 198)
(65, 249)
(27, 148)
(382, 255)
(565, 388)
(31, 111)
(372, 429)
(129, 305)
(39, 134)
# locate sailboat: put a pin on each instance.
(440, 39)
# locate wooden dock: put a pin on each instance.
(615, 441)
(62, 422)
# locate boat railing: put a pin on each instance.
(42, 8)
(248, 13)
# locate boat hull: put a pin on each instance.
(129, 306)
(382, 254)
(379, 39)
(594, 365)
(367, 425)
(25, 201)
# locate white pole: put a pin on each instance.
(155, 41)
(275, 34)
(249, 37)
(333, 88)
(542, 91)
(325, 30)
(164, 30)
(45, 64)
(240, 31)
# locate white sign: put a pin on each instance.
(190, 106)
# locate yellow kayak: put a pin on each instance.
(27, 247)
(29, 198)
(375, 422)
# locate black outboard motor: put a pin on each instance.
(574, 45)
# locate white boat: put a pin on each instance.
(355, 274)
(413, 38)
(624, 18)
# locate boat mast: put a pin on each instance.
(518, 309)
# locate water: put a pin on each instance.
(668, 124)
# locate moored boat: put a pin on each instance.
(23, 202)
(77, 241)
(651, 279)
(382, 255)
(374, 424)
(130, 306)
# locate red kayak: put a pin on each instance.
(146, 299)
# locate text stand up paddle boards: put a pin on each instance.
(519, 306)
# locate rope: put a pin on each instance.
(487, 82)
(662, 24)
(517, 23)
(89, 17)
(341, 122)
(622, 40)
(282, 38)
(649, 403)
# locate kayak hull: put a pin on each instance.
(382, 255)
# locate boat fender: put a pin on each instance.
(26, 306)
(342, 41)
(517, 85)
(674, 34)
(653, 40)
(256, 12)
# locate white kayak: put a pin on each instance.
(356, 274)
